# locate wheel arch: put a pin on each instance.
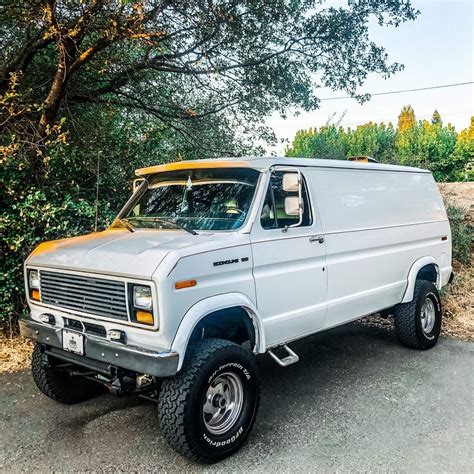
(425, 268)
(209, 306)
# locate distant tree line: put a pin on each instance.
(449, 155)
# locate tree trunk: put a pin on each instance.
(51, 106)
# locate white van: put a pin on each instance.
(211, 262)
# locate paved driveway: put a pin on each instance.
(355, 401)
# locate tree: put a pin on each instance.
(122, 83)
(406, 119)
(447, 154)
(463, 154)
(371, 139)
(428, 146)
(436, 118)
(181, 61)
(327, 142)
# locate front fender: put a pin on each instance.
(412, 274)
(209, 305)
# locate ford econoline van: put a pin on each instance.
(212, 262)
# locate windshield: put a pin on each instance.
(197, 199)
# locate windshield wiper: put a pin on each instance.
(126, 224)
(187, 229)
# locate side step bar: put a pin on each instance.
(291, 358)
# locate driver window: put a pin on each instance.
(273, 214)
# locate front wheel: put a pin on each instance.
(418, 323)
(207, 410)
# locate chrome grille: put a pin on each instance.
(83, 293)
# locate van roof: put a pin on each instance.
(263, 163)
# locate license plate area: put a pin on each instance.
(73, 342)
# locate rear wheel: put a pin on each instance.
(418, 323)
(57, 382)
(208, 409)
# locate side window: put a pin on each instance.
(273, 214)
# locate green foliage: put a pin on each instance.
(462, 234)
(375, 140)
(447, 154)
(463, 154)
(327, 142)
(33, 216)
(431, 147)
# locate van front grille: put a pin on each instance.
(83, 293)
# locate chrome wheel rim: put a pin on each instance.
(428, 315)
(223, 403)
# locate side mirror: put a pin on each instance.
(291, 182)
(137, 183)
(293, 206)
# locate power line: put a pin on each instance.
(405, 90)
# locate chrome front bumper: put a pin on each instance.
(101, 354)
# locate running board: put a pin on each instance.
(291, 358)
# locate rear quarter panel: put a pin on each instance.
(376, 225)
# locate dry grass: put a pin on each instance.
(460, 194)
(458, 299)
(459, 304)
(15, 353)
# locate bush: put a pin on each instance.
(33, 217)
(461, 232)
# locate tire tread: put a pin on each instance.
(54, 387)
(176, 391)
(405, 319)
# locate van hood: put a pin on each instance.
(114, 251)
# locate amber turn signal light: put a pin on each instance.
(144, 317)
(185, 284)
(35, 295)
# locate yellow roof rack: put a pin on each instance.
(189, 165)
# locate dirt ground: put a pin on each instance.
(460, 194)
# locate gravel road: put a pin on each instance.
(355, 401)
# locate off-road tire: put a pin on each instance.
(408, 323)
(182, 399)
(58, 384)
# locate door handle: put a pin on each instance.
(317, 238)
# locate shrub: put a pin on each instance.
(34, 217)
(461, 232)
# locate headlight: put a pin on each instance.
(33, 279)
(142, 297)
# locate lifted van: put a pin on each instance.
(212, 262)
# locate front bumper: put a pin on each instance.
(101, 354)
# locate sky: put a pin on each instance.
(436, 49)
